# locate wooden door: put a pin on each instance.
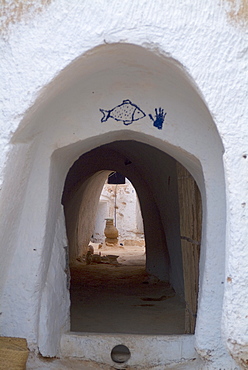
(190, 206)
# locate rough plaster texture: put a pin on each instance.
(55, 299)
(190, 38)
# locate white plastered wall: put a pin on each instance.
(179, 132)
(121, 203)
(81, 214)
(213, 51)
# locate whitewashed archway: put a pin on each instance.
(66, 122)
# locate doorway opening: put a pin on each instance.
(146, 296)
(119, 205)
(119, 202)
(66, 122)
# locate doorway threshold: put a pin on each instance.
(146, 351)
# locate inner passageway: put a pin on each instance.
(116, 299)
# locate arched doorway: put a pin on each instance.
(154, 174)
(66, 123)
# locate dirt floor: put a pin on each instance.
(118, 299)
(122, 298)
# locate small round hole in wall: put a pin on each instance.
(120, 354)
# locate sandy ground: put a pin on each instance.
(127, 255)
(123, 298)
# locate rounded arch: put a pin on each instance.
(154, 176)
(64, 123)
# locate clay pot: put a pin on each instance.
(110, 232)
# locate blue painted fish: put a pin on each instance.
(127, 112)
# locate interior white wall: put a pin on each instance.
(81, 214)
(102, 211)
(61, 120)
(139, 219)
(162, 180)
(121, 203)
(88, 210)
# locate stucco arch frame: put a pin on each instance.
(56, 127)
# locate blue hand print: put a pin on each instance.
(159, 118)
